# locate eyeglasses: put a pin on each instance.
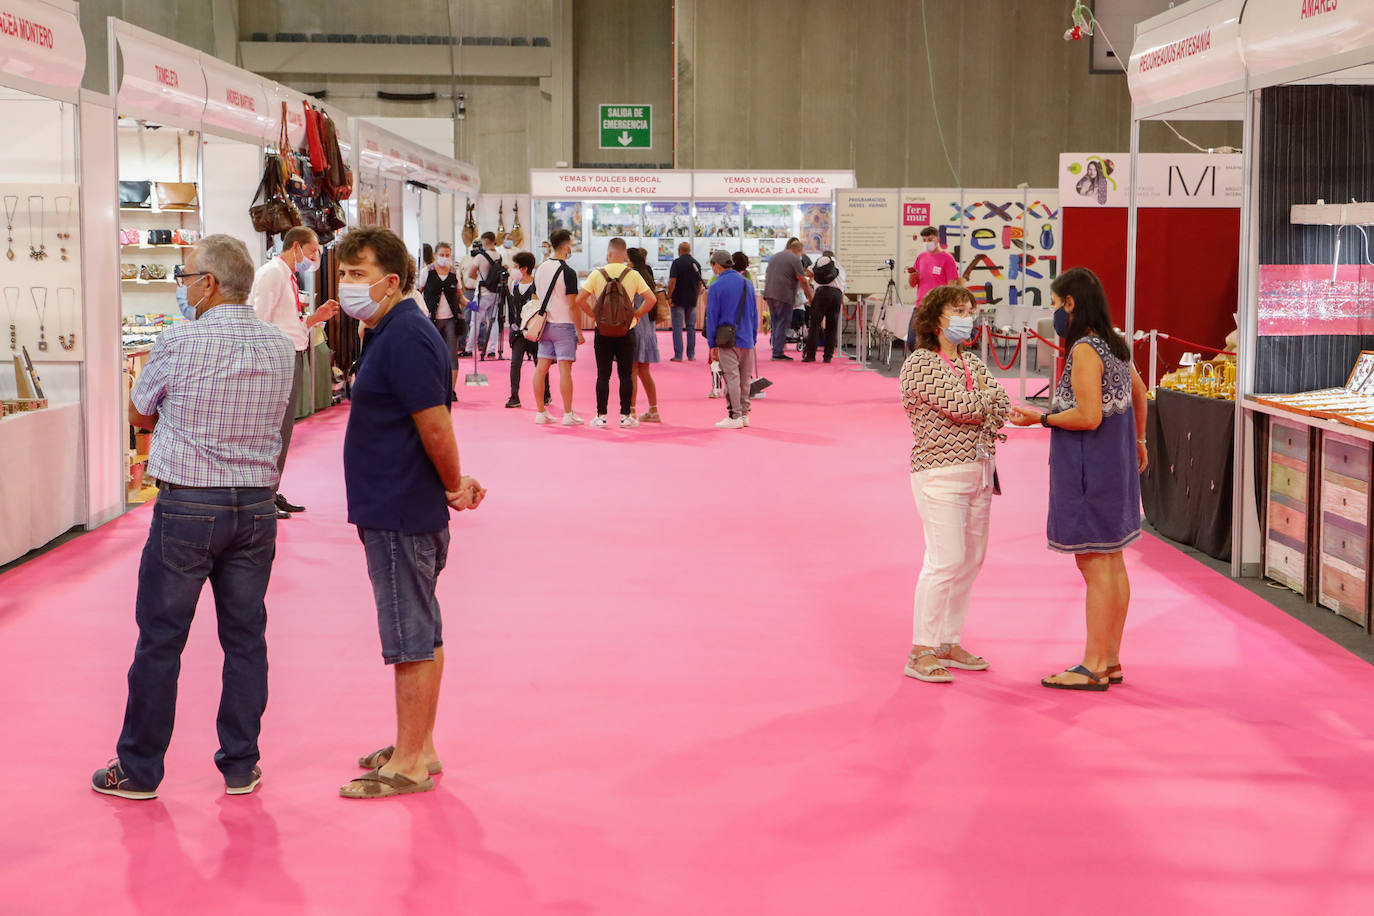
(963, 310)
(183, 278)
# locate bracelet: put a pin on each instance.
(1045, 420)
(1140, 442)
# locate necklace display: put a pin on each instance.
(66, 305)
(11, 208)
(63, 205)
(12, 303)
(41, 251)
(42, 310)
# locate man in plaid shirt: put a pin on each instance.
(213, 392)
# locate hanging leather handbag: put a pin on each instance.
(276, 213)
(338, 177)
(314, 141)
(296, 184)
(135, 193)
(177, 195)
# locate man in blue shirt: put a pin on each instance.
(684, 283)
(401, 475)
(213, 393)
(731, 301)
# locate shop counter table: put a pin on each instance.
(42, 488)
(1187, 487)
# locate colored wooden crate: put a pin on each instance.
(1343, 538)
(1288, 510)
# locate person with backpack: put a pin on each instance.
(825, 306)
(551, 311)
(608, 296)
(521, 294)
(684, 285)
(732, 321)
(492, 275)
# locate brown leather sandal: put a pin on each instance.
(380, 758)
(1114, 675)
(377, 784)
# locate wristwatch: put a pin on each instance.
(1045, 419)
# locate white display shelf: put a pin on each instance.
(150, 211)
(151, 247)
(148, 282)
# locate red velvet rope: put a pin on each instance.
(1058, 349)
(1012, 362)
(1188, 343)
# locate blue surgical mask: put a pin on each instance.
(960, 328)
(356, 300)
(1061, 322)
(188, 311)
(508, 244)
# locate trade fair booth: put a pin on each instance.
(55, 188)
(1303, 416)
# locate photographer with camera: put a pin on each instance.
(825, 306)
(492, 274)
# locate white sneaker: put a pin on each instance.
(627, 421)
(746, 419)
(571, 419)
(543, 417)
(599, 421)
(755, 397)
(730, 423)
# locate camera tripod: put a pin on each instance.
(880, 338)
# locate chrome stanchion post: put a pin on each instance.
(1154, 357)
(1023, 348)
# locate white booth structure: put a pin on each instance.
(1300, 79)
(56, 183)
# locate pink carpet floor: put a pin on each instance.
(675, 687)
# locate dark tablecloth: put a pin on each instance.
(1187, 487)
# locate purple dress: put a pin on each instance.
(1094, 474)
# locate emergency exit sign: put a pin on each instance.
(626, 126)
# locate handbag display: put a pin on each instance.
(177, 195)
(129, 236)
(276, 214)
(128, 271)
(185, 237)
(725, 333)
(135, 193)
(291, 164)
(159, 237)
(314, 140)
(338, 177)
(157, 272)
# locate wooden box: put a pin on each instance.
(1343, 530)
(1286, 552)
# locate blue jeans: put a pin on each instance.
(684, 317)
(229, 536)
(780, 315)
(404, 569)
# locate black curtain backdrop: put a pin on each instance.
(1315, 142)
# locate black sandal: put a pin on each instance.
(1097, 682)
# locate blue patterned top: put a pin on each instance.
(1094, 474)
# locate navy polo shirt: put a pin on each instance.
(390, 481)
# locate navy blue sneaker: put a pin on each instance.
(110, 780)
(243, 785)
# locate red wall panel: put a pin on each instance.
(1186, 270)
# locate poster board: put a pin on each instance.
(866, 224)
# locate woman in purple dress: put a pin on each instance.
(1097, 453)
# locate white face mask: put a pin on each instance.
(443, 262)
(931, 246)
(356, 299)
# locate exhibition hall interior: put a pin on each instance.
(913, 455)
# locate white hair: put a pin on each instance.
(227, 258)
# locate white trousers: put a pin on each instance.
(954, 503)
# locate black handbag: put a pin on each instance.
(725, 333)
(135, 194)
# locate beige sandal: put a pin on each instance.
(977, 663)
(930, 677)
(377, 784)
(380, 758)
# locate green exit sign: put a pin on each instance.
(627, 126)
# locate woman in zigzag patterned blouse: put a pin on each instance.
(956, 409)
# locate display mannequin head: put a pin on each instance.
(375, 260)
(299, 246)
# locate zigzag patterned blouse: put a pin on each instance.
(949, 421)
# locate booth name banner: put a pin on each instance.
(778, 185)
(1280, 34)
(1188, 53)
(236, 100)
(648, 183)
(1184, 180)
(1006, 242)
(41, 43)
(159, 80)
(1179, 50)
(866, 236)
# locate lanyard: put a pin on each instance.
(968, 377)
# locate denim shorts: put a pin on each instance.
(404, 569)
(559, 341)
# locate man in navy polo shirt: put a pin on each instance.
(401, 474)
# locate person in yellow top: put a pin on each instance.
(619, 350)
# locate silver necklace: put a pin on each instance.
(66, 304)
(42, 310)
(11, 208)
(12, 303)
(41, 251)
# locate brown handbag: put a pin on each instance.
(276, 214)
(177, 195)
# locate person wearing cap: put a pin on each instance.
(731, 300)
(825, 306)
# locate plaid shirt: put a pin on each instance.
(219, 386)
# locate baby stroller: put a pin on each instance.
(801, 321)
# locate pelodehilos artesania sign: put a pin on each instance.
(627, 126)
